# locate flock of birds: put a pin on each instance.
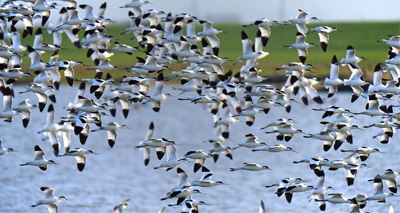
(229, 97)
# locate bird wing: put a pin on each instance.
(53, 141)
(302, 28)
(53, 208)
(81, 161)
(302, 52)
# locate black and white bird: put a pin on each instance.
(333, 82)
(111, 128)
(323, 33)
(200, 156)
(206, 179)
(172, 160)
(263, 25)
(4, 151)
(300, 187)
(39, 160)
(49, 199)
(301, 45)
(50, 130)
(210, 33)
(146, 150)
(80, 156)
(301, 20)
(251, 142)
(351, 58)
(250, 167)
(390, 177)
(379, 195)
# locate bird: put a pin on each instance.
(50, 130)
(248, 53)
(111, 128)
(301, 20)
(102, 65)
(354, 205)
(182, 194)
(36, 61)
(205, 180)
(391, 208)
(263, 25)
(306, 89)
(301, 46)
(190, 205)
(182, 182)
(80, 156)
(89, 16)
(200, 156)
(284, 131)
(390, 177)
(172, 160)
(39, 160)
(4, 151)
(219, 148)
(135, 5)
(355, 82)
(335, 198)
(326, 136)
(8, 112)
(313, 162)
(159, 143)
(251, 142)
(393, 41)
(351, 58)
(364, 151)
(210, 33)
(352, 170)
(300, 187)
(225, 120)
(146, 150)
(122, 205)
(68, 67)
(41, 47)
(333, 81)
(123, 48)
(262, 207)
(250, 167)
(43, 93)
(284, 183)
(158, 96)
(319, 192)
(50, 200)
(376, 86)
(275, 148)
(323, 33)
(150, 65)
(16, 47)
(379, 195)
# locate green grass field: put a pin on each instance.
(362, 36)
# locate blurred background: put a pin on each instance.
(238, 11)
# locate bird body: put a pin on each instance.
(4, 151)
(301, 46)
(251, 167)
(50, 200)
(39, 160)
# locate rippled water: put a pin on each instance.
(118, 173)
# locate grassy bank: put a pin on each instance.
(362, 36)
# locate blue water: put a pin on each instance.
(118, 173)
